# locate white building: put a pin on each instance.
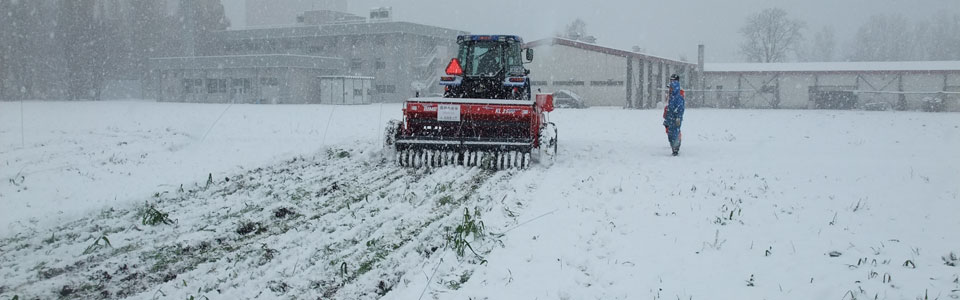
(331, 57)
(928, 85)
(346, 89)
(605, 76)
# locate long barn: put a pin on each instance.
(928, 85)
(603, 76)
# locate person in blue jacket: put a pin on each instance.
(673, 114)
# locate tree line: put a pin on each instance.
(70, 49)
(772, 35)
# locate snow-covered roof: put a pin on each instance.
(301, 31)
(248, 61)
(898, 66)
(601, 49)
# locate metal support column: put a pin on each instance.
(776, 97)
(902, 98)
(629, 82)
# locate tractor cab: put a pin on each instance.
(488, 67)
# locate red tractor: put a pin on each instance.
(486, 117)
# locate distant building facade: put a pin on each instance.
(604, 76)
(383, 61)
(925, 85)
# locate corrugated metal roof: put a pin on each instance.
(898, 66)
(601, 49)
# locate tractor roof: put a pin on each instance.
(502, 38)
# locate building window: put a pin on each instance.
(234, 47)
(240, 86)
(386, 89)
(569, 83)
(192, 86)
(381, 64)
(215, 86)
(539, 83)
(355, 64)
(358, 92)
(275, 45)
(269, 82)
(609, 82)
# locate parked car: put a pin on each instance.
(567, 99)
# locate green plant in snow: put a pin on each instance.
(152, 217)
(196, 298)
(443, 187)
(338, 153)
(268, 254)
(379, 253)
(51, 240)
(365, 267)
(470, 226)
(446, 200)
(97, 245)
(456, 284)
(950, 259)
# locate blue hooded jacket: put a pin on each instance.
(674, 109)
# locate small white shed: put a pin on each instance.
(346, 89)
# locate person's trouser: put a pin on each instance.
(673, 133)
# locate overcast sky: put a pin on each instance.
(665, 28)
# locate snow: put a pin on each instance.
(752, 208)
(80, 157)
(919, 66)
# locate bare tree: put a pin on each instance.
(84, 39)
(887, 38)
(823, 47)
(5, 22)
(140, 25)
(943, 42)
(577, 31)
(56, 49)
(28, 64)
(197, 19)
(769, 36)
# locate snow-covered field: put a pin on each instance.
(159, 200)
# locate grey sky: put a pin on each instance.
(664, 28)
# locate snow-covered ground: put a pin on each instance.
(301, 202)
(74, 158)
